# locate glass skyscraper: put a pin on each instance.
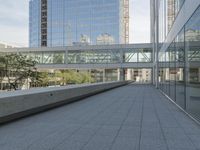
(77, 22)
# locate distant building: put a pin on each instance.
(139, 75)
(5, 45)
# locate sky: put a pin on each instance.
(14, 24)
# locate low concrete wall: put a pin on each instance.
(17, 104)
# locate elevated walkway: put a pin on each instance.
(90, 56)
(133, 117)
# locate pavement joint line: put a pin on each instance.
(156, 113)
(130, 110)
(179, 107)
(121, 126)
(54, 148)
(181, 126)
(141, 120)
(96, 132)
(56, 131)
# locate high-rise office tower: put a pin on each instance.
(72, 22)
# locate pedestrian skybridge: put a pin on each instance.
(98, 56)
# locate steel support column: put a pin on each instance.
(157, 42)
(121, 74)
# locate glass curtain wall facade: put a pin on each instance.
(34, 23)
(179, 61)
(168, 10)
(141, 75)
(76, 22)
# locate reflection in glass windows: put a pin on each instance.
(47, 57)
(93, 57)
(180, 67)
(90, 56)
(78, 22)
(34, 23)
(138, 55)
(168, 10)
(138, 75)
(192, 42)
(172, 71)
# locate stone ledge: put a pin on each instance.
(20, 104)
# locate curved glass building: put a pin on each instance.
(77, 22)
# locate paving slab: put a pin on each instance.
(133, 117)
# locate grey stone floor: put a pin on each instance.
(133, 117)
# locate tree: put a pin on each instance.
(1, 68)
(16, 69)
(73, 77)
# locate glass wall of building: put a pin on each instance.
(104, 75)
(172, 72)
(192, 47)
(180, 67)
(137, 55)
(47, 57)
(91, 56)
(34, 23)
(168, 10)
(78, 22)
(141, 75)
